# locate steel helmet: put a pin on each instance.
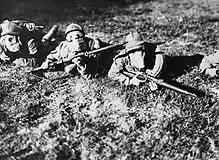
(10, 28)
(73, 27)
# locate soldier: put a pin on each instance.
(210, 65)
(22, 45)
(76, 41)
(138, 57)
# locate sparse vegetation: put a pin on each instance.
(70, 118)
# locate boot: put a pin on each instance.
(51, 34)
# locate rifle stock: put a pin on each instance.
(161, 82)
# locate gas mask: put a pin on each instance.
(76, 41)
(12, 42)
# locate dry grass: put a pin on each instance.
(71, 118)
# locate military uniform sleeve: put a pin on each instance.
(158, 66)
(209, 62)
(115, 70)
(55, 54)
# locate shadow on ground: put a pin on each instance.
(179, 65)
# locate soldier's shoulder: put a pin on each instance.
(149, 44)
(150, 47)
(122, 56)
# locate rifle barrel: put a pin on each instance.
(78, 54)
(160, 82)
(98, 50)
(167, 85)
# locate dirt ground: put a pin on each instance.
(69, 118)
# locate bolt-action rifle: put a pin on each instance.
(77, 54)
(144, 77)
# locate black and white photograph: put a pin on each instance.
(109, 80)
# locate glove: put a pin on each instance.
(212, 72)
(153, 86)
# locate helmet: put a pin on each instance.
(73, 27)
(134, 40)
(10, 28)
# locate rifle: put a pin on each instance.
(161, 82)
(77, 54)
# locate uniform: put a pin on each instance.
(152, 59)
(30, 45)
(76, 41)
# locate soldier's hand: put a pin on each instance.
(153, 86)
(149, 71)
(79, 62)
(4, 57)
(45, 65)
(135, 81)
(212, 72)
(32, 46)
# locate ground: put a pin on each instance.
(70, 118)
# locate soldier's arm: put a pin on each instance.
(53, 56)
(158, 65)
(57, 53)
(115, 71)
